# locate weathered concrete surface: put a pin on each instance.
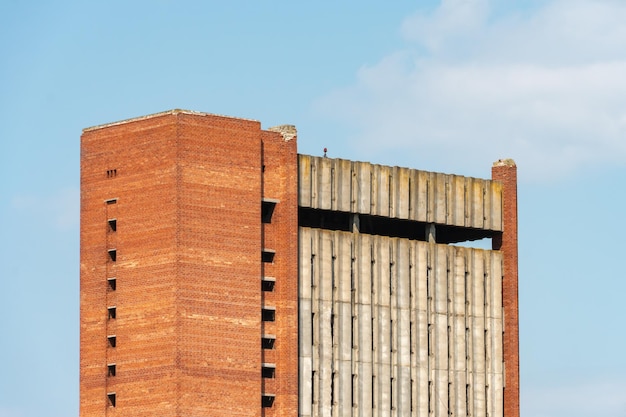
(382, 318)
(403, 193)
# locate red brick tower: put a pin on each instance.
(505, 171)
(188, 268)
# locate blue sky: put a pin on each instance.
(447, 85)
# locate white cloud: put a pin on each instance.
(543, 86)
(60, 210)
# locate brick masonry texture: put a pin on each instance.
(506, 172)
(188, 190)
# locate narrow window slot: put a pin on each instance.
(268, 314)
(267, 401)
(113, 224)
(268, 255)
(267, 209)
(267, 284)
(112, 341)
(111, 398)
(111, 201)
(112, 283)
(267, 342)
(113, 254)
(111, 369)
(112, 312)
(268, 370)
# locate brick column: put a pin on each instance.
(505, 171)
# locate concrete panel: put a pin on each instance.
(343, 185)
(363, 190)
(304, 181)
(458, 200)
(383, 178)
(440, 198)
(496, 206)
(324, 184)
(402, 193)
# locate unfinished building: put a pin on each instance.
(224, 274)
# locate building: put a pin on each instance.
(224, 274)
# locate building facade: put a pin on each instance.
(224, 274)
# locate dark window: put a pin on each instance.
(267, 209)
(113, 224)
(267, 401)
(268, 314)
(111, 369)
(267, 284)
(268, 371)
(268, 255)
(113, 254)
(111, 398)
(111, 173)
(267, 342)
(112, 283)
(111, 201)
(112, 312)
(112, 341)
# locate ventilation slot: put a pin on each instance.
(268, 255)
(267, 209)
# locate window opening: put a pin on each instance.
(268, 314)
(268, 255)
(113, 224)
(111, 397)
(111, 201)
(267, 284)
(267, 342)
(267, 209)
(113, 254)
(111, 369)
(111, 173)
(112, 341)
(268, 370)
(267, 401)
(112, 283)
(112, 312)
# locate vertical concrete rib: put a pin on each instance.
(364, 187)
(316, 260)
(383, 321)
(458, 202)
(343, 173)
(421, 311)
(458, 367)
(364, 311)
(343, 312)
(402, 193)
(326, 324)
(324, 186)
(305, 324)
(304, 181)
(478, 334)
(403, 333)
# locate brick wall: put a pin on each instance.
(505, 171)
(188, 240)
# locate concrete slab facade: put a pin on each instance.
(393, 326)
